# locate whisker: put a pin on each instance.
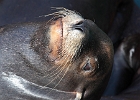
(53, 79)
(49, 75)
(57, 74)
(52, 68)
(52, 14)
(58, 8)
(52, 19)
(60, 79)
(55, 69)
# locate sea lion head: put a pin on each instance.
(80, 54)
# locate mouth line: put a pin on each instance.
(61, 24)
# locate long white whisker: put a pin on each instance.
(57, 74)
(61, 78)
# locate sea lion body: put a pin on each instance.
(127, 64)
(61, 59)
(122, 73)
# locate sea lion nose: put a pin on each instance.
(79, 26)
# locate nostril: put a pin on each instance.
(79, 26)
(79, 23)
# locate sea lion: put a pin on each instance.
(117, 84)
(126, 71)
(68, 57)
